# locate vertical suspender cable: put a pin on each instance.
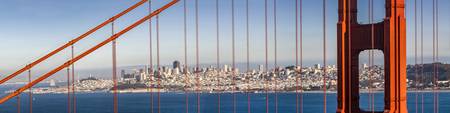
(185, 71)
(324, 57)
(151, 72)
(218, 54)
(266, 57)
(248, 55)
(68, 91)
(372, 64)
(437, 54)
(434, 57)
(349, 43)
(233, 56)
(275, 53)
(421, 56)
(301, 56)
(18, 103)
(296, 57)
(158, 64)
(74, 102)
(114, 73)
(197, 67)
(30, 93)
(415, 57)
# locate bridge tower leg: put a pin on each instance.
(389, 37)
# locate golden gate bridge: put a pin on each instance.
(389, 36)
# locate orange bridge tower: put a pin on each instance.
(388, 36)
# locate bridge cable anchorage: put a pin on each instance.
(324, 57)
(197, 60)
(59, 49)
(151, 72)
(218, 55)
(421, 56)
(185, 70)
(275, 54)
(114, 71)
(30, 93)
(87, 52)
(69, 109)
(233, 56)
(158, 64)
(266, 57)
(74, 108)
(248, 55)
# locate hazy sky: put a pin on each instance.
(30, 29)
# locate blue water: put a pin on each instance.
(175, 103)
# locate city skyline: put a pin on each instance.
(42, 34)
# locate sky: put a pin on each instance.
(30, 29)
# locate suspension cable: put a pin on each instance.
(218, 54)
(434, 57)
(158, 64)
(349, 47)
(324, 57)
(18, 103)
(248, 55)
(266, 56)
(233, 56)
(197, 67)
(151, 57)
(185, 58)
(296, 58)
(371, 57)
(74, 103)
(415, 57)
(69, 109)
(114, 62)
(421, 55)
(301, 55)
(437, 54)
(30, 93)
(275, 54)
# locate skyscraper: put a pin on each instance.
(176, 64)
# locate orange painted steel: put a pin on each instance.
(70, 62)
(389, 37)
(29, 66)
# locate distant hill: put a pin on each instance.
(443, 71)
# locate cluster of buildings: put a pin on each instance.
(226, 78)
